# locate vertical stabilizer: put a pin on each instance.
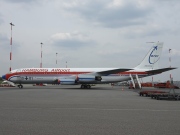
(151, 60)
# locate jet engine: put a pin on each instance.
(88, 78)
(65, 81)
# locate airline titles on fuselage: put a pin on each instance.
(46, 70)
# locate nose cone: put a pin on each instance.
(4, 77)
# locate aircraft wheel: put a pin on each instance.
(85, 86)
(82, 86)
(88, 86)
(20, 86)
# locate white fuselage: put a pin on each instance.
(69, 75)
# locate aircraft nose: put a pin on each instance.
(4, 77)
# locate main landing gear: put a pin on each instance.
(85, 86)
(20, 86)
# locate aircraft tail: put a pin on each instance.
(151, 60)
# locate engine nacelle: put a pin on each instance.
(65, 81)
(88, 78)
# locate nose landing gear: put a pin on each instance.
(20, 86)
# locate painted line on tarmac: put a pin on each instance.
(100, 109)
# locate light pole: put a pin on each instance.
(41, 55)
(11, 45)
(170, 62)
(56, 59)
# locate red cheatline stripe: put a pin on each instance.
(71, 73)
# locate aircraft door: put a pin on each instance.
(19, 78)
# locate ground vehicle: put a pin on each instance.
(148, 92)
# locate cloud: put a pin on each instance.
(21, 1)
(1, 20)
(5, 42)
(109, 14)
(145, 31)
(26, 4)
(70, 40)
(109, 33)
(175, 52)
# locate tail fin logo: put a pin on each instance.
(153, 57)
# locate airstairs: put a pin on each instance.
(135, 80)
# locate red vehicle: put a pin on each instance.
(165, 85)
(148, 92)
(161, 85)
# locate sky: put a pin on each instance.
(89, 33)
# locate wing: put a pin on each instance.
(107, 72)
(158, 71)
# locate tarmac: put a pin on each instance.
(69, 110)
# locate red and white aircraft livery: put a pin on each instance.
(87, 76)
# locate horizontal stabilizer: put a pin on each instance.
(157, 71)
(113, 71)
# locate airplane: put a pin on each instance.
(87, 76)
